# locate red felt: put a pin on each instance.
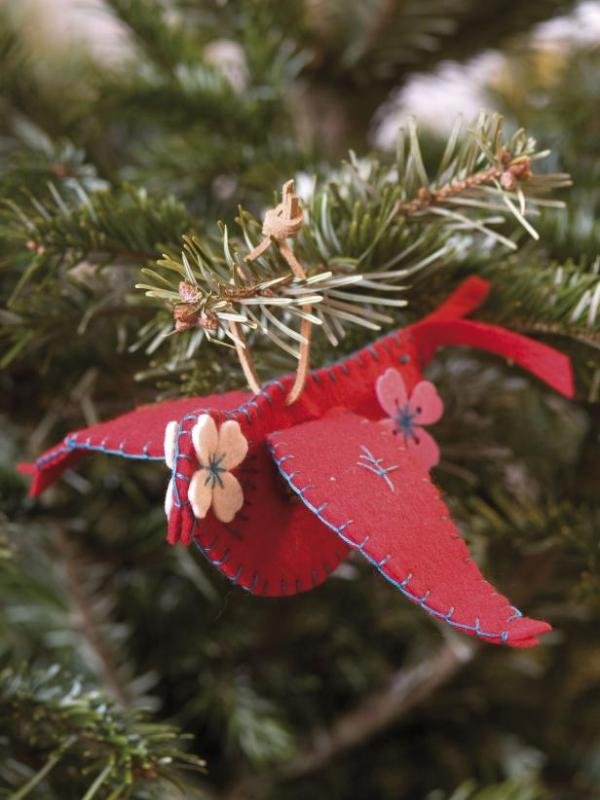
(274, 546)
(544, 362)
(463, 301)
(137, 434)
(403, 527)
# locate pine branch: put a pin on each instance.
(74, 224)
(369, 228)
(73, 253)
(556, 299)
(52, 718)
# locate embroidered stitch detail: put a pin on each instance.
(374, 465)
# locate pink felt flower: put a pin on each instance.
(409, 414)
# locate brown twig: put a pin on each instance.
(406, 690)
(508, 173)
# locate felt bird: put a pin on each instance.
(275, 495)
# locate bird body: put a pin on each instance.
(331, 473)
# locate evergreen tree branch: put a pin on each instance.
(51, 717)
(369, 229)
(556, 299)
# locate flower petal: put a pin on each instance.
(389, 424)
(391, 391)
(228, 498)
(200, 493)
(424, 447)
(233, 445)
(205, 438)
(169, 499)
(170, 444)
(425, 403)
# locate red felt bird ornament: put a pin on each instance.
(276, 493)
(353, 451)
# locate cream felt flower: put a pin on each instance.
(218, 452)
(170, 449)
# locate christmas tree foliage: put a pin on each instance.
(132, 190)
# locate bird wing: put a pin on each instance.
(139, 434)
(356, 477)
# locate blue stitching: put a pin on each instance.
(178, 454)
(278, 383)
(402, 585)
(374, 465)
(210, 546)
(55, 455)
(176, 496)
(72, 444)
(218, 562)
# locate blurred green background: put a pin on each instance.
(129, 669)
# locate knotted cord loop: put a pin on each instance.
(280, 224)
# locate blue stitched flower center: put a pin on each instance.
(214, 470)
(405, 420)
